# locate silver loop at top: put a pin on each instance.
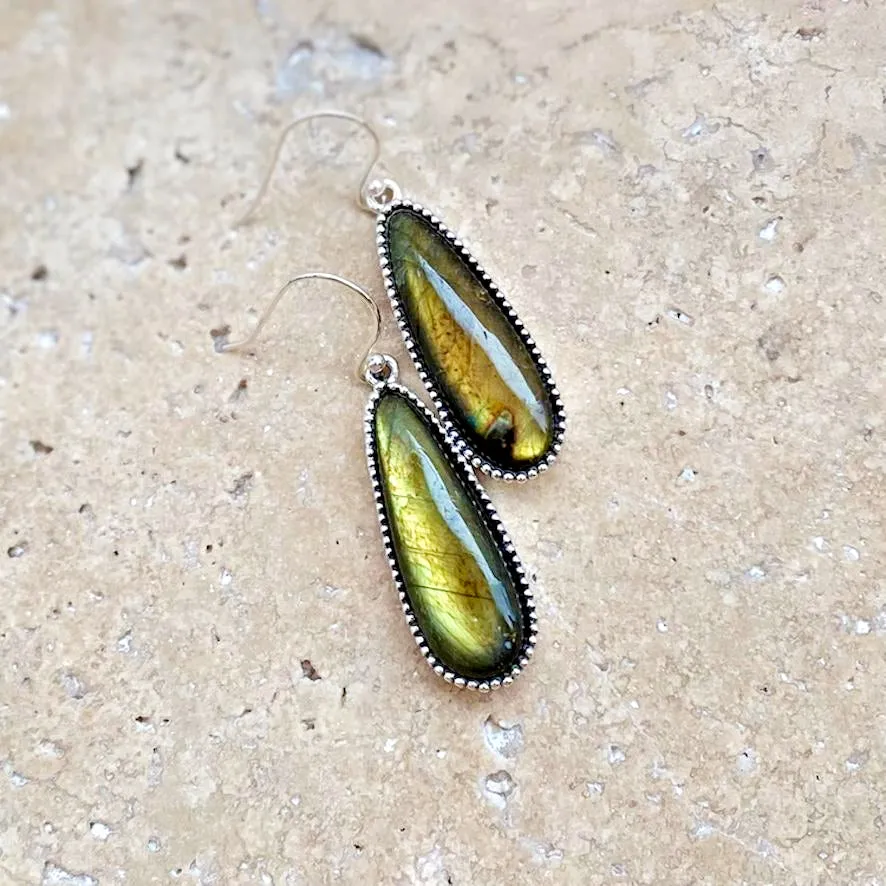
(378, 194)
(380, 370)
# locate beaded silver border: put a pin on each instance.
(452, 427)
(462, 468)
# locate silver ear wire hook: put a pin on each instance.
(374, 194)
(376, 369)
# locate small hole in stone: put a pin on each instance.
(180, 263)
(220, 336)
(41, 448)
(41, 272)
(133, 173)
(308, 670)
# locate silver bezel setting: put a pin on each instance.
(452, 427)
(463, 470)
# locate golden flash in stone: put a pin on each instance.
(482, 368)
(460, 588)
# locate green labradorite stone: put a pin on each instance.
(462, 593)
(482, 368)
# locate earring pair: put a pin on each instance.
(463, 590)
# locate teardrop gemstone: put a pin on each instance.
(479, 365)
(457, 583)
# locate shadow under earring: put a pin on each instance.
(492, 388)
(463, 590)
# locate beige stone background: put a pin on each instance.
(685, 200)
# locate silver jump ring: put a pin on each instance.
(380, 370)
(378, 194)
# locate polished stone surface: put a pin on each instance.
(482, 368)
(464, 598)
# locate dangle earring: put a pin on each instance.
(463, 590)
(492, 388)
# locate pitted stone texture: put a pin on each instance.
(189, 542)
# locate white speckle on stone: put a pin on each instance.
(498, 788)
(124, 644)
(770, 230)
(662, 626)
(153, 845)
(501, 739)
(756, 573)
(619, 870)
(155, 768)
(699, 127)
(856, 761)
(680, 316)
(225, 578)
(441, 754)
(86, 341)
(16, 779)
(48, 748)
(798, 684)
(74, 687)
(615, 755)
(862, 627)
(658, 770)
(595, 788)
(851, 554)
(703, 830)
(431, 868)
(670, 400)
(687, 475)
(820, 544)
(295, 800)
(746, 762)
(624, 392)
(5, 111)
(99, 830)
(53, 875)
(543, 854)
(390, 744)
(765, 848)
(47, 338)
(774, 285)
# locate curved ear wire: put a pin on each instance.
(312, 275)
(374, 194)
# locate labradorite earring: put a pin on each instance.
(490, 385)
(463, 590)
